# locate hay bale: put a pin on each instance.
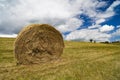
(38, 43)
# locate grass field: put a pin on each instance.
(80, 61)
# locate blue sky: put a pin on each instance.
(75, 19)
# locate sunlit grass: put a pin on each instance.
(80, 61)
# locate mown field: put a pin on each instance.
(80, 61)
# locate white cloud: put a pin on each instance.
(29, 9)
(106, 28)
(116, 33)
(100, 21)
(8, 35)
(62, 14)
(115, 3)
(94, 26)
(103, 16)
(101, 4)
(87, 34)
(110, 11)
(54, 12)
(70, 25)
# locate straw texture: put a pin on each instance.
(38, 43)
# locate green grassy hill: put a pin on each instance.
(80, 61)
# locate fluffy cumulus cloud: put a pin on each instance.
(63, 14)
(87, 34)
(95, 32)
(70, 25)
(55, 12)
(106, 28)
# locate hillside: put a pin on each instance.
(80, 61)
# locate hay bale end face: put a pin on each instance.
(38, 43)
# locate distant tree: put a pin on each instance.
(94, 41)
(116, 42)
(106, 42)
(91, 40)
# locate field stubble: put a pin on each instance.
(80, 61)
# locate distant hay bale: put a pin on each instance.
(38, 43)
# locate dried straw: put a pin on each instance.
(38, 43)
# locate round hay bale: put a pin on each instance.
(38, 43)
